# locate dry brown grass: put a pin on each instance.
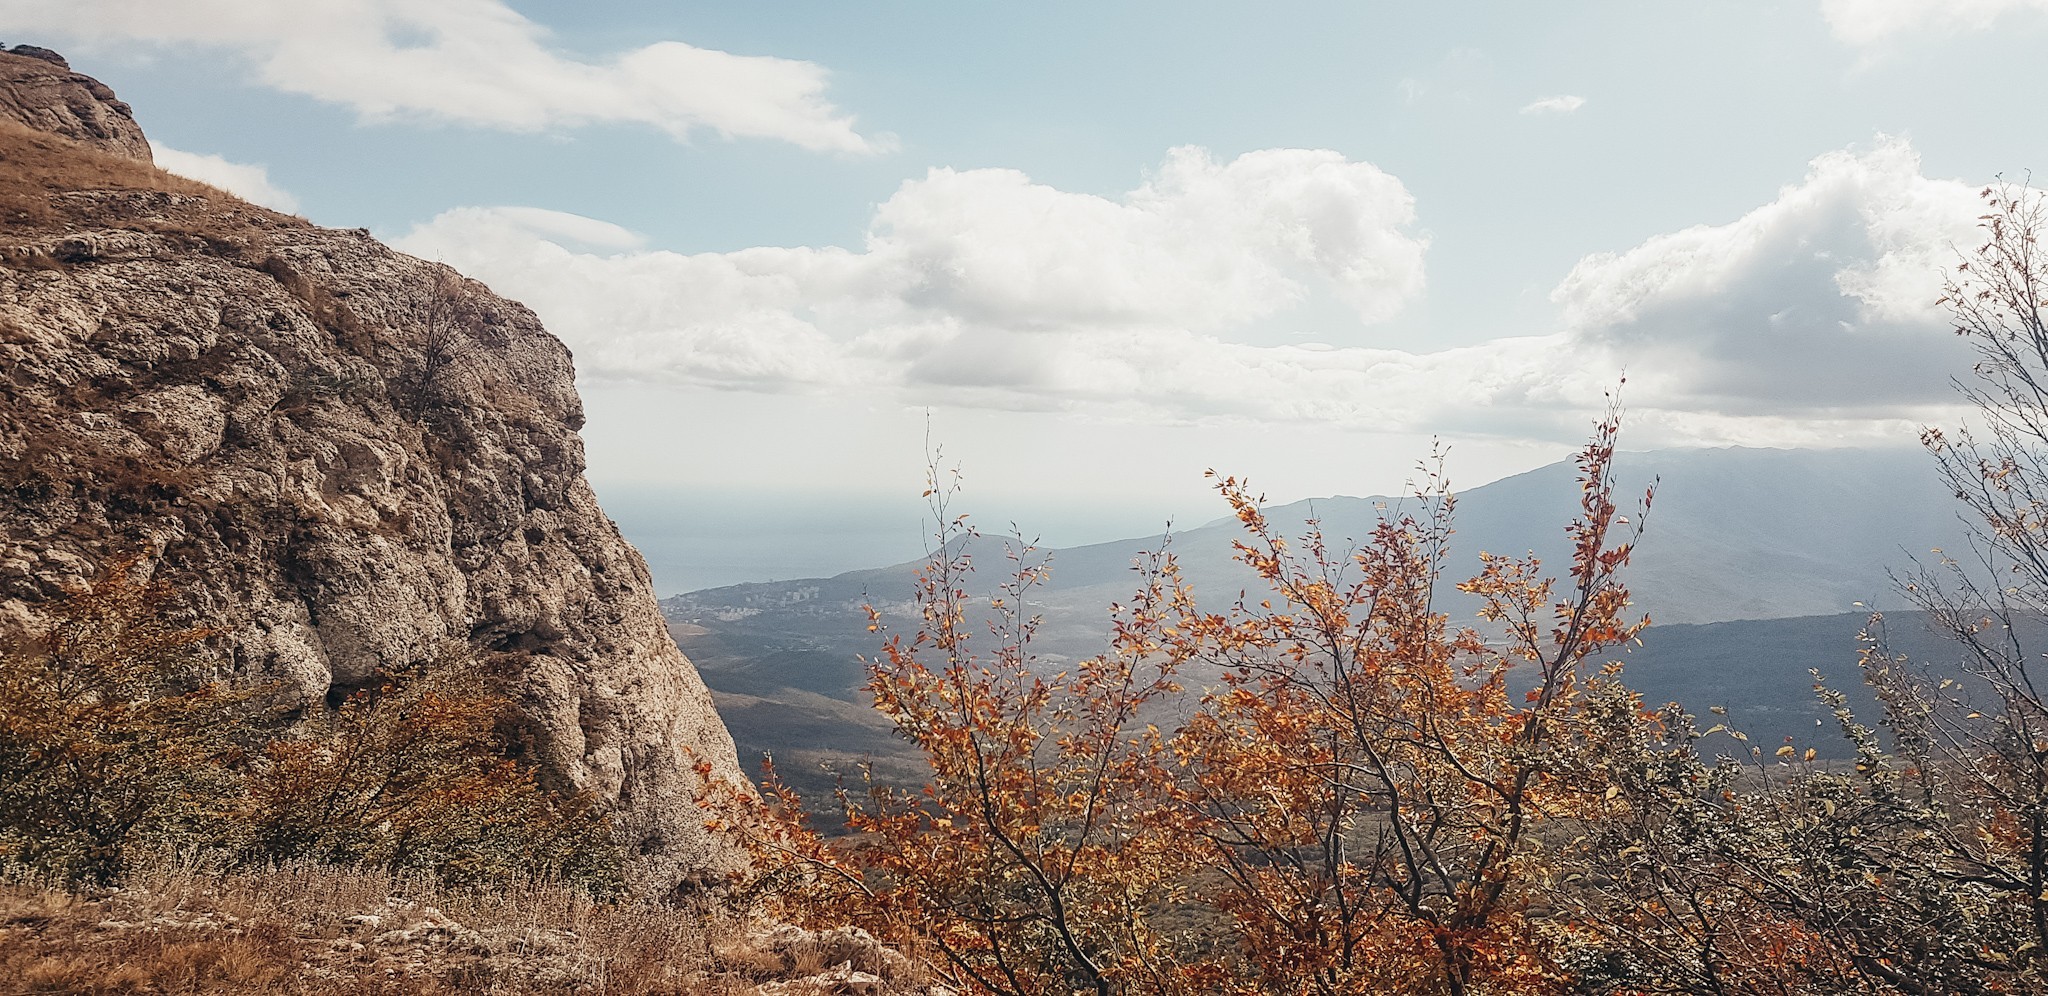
(38, 170)
(52, 164)
(314, 931)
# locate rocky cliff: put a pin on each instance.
(348, 459)
(38, 89)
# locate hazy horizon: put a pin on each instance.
(694, 539)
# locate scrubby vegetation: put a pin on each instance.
(164, 829)
(1322, 788)
(314, 930)
(117, 744)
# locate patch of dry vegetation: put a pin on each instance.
(157, 836)
(317, 930)
(118, 742)
(39, 170)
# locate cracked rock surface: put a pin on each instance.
(38, 89)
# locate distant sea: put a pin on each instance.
(700, 539)
(695, 539)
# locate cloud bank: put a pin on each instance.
(1872, 22)
(472, 62)
(982, 287)
(1820, 301)
(1808, 320)
(250, 182)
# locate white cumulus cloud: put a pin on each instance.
(1870, 22)
(983, 287)
(526, 224)
(1823, 298)
(1560, 104)
(475, 62)
(1808, 320)
(249, 181)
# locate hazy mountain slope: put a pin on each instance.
(1761, 670)
(794, 697)
(1734, 534)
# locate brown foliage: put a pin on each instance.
(1364, 783)
(116, 742)
(412, 774)
(1354, 802)
(1354, 799)
(1025, 865)
(111, 733)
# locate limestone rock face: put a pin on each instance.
(347, 458)
(38, 89)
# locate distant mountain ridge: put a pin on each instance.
(1732, 534)
(1753, 565)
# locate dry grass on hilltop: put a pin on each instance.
(36, 166)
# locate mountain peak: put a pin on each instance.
(38, 89)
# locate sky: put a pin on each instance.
(1092, 250)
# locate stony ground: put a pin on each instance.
(322, 931)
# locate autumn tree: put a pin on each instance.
(114, 735)
(1991, 753)
(1362, 783)
(1031, 860)
(1979, 745)
(1919, 865)
(1355, 801)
